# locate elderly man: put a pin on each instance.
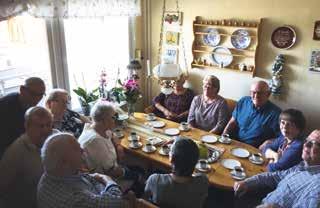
(14, 106)
(255, 119)
(20, 166)
(62, 186)
(298, 186)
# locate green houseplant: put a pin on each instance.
(86, 98)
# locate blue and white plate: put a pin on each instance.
(212, 38)
(240, 39)
(222, 56)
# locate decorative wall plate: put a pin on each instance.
(222, 56)
(283, 37)
(212, 38)
(240, 39)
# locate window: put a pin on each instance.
(23, 52)
(94, 45)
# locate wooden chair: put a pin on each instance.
(142, 203)
(231, 104)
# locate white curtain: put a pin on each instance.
(70, 8)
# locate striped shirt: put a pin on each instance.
(296, 187)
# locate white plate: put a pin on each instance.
(240, 39)
(204, 170)
(155, 140)
(122, 117)
(130, 139)
(157, 124)
(153, 148)
(135, 147)
(172, 131)
(238, 177)
(240, 152)
(230, 163)
(212, 38)
(209, 139)
(257, 162)
(222, 56)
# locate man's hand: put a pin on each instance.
(240, 188)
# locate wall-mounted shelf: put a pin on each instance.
(243, 57)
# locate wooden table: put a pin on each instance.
(219, 176)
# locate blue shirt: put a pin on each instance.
(289, 157)
(256, 125)
(296, 187)
(78, 191)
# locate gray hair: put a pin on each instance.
(54, 149)
(101, 110)
(55, 93)
(35, 111)
(214, 80)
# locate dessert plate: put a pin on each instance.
(172, 131)
(152, 149)
(230, 163)
(240, 152)
(209, 139)
(157, 124)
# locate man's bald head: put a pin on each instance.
(260, 93)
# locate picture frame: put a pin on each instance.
(170, 55)
(316, 30)
(173, 18)
(172, 38)
(315, 61)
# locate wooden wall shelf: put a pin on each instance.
(203, 51)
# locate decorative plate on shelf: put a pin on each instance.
(212, 38)
(222, 56)
(283, 37)
(240, 39)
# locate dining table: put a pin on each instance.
(218, 175)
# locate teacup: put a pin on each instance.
(150, 116)
(165, 149)
(238, 170)
(203, 164)
(134, 143)
(148, 146)
(225, 137)
(133, 136)
(256, 156)
(117, 132)
(184, 126)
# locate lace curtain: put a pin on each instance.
(70, 8)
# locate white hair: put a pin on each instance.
(54, 149)
(55, 93)
(101, 110)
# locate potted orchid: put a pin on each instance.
(128, 91)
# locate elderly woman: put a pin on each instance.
(285, 151)
(64, 119)
(99, 145)
(174, 106)
(209, 111)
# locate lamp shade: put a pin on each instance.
(167, 71)
(134, 65)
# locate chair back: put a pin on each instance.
(142, 203)
(231, 104)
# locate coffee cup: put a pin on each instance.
(203, 164)
(117, 132)
(225, 137)
(256, 156)
(150, 116)
(148, 146)
(135, 143)
(165, 149)
(184, 125)
(238, 170)
(133, 136)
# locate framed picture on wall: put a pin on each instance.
(170, 55)
(172, 38)
(173, 18)
(315, 61)
(316, 31)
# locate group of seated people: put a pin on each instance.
(43, 151)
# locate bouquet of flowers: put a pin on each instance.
(128, 91)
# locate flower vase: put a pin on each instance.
(131, 108)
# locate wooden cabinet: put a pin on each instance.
(225, 44)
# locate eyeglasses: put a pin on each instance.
(311, 143)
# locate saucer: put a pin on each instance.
(157, 124)
(148, 118)
(172, 131)
(155, 140)
(135, 147)
(238, 177)
(182, 129)
(119, 136)
(214, 156)
(230, 163)
(204, 170)
(225, 141)
(163, 153)
(240, 152)
(130, 139)
(209, 139)
(257, 162)
(153, 148)
(122, 117)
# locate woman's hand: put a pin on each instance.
(269, 141)
(272, 155)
